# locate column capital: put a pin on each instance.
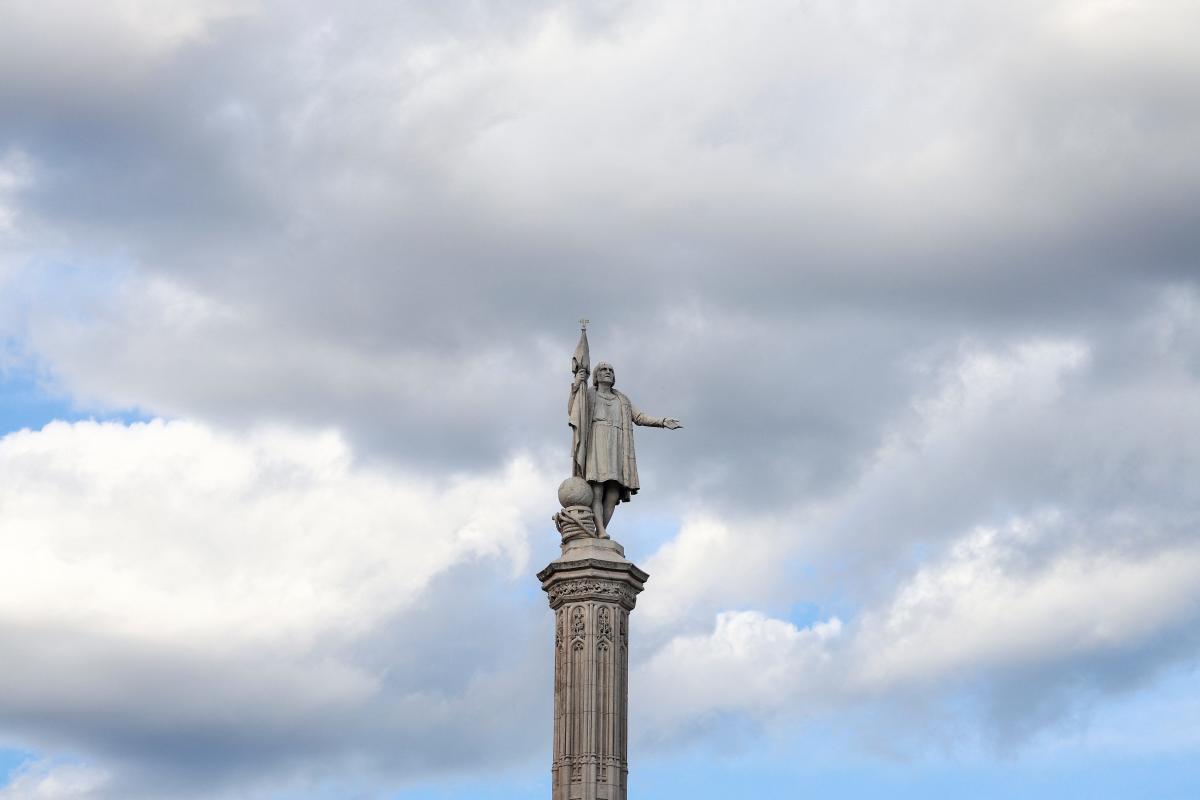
(591, 574)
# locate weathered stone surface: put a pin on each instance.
(592, 588)
(575, 522)
(602, 421)
(575, 492)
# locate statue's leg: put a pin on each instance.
(598, 494)
(612, 496)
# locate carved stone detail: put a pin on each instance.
(591, 598)
(575, 522)
(581, 588)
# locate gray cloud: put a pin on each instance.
(793, 226)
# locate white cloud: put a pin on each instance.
(1000, 602)
(1006, 598)
(168, 586)
(1008, 524)
(47, 780)
(709, 564)
(748, 664)
(169, 530)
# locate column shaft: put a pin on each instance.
(591, 599)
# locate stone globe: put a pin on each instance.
(574, 492)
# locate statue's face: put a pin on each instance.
(605, 375)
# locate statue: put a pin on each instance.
(602, 454)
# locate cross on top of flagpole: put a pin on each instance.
(583, 323)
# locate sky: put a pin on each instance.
(288, 296)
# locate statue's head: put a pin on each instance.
(604, 371)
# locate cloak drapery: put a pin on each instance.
(602, 437)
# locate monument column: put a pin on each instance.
(592, 588)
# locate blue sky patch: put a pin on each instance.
(27, 401)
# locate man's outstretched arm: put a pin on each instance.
(648, 421)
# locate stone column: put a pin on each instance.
(592, 588)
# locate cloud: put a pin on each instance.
(919, 280)
(13, 176)
(179, 601)
(748, 664)
(46, 780)
(304, 593)
(999, 600)
(75, 49)
(998, 623)
(1020, 545)
(375, 218)
(240, 561)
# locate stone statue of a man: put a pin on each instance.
(602, 420)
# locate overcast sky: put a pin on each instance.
(288, 295)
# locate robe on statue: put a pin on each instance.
(602, 446)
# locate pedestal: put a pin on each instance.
(592, 588)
